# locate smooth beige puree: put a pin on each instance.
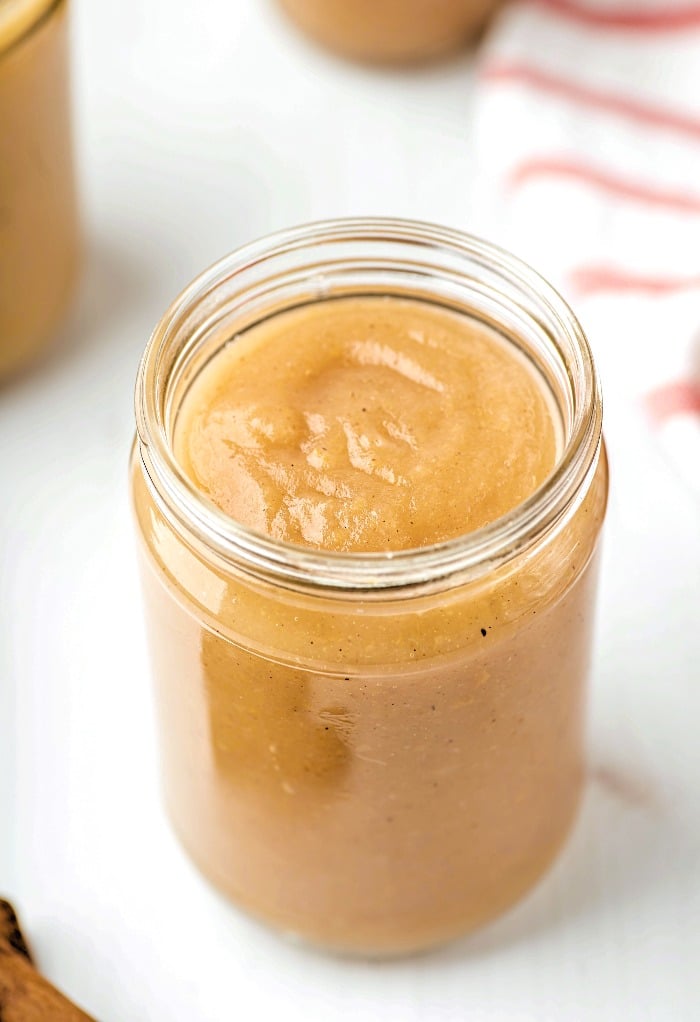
(367, 424)
(375, 775)
(39, 245)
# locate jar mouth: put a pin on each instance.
(353, 256)
(19, 18)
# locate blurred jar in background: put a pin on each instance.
(393, 31)
(38, 211)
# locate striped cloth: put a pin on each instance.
(587, 139)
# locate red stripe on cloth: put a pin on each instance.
(664, 18)
(679, 398)
(636, 191)
(608, 102)
(591, 280)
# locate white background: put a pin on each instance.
(202, 124)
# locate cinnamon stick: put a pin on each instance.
(25, 996)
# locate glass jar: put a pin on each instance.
(39, 222)
(380, 751)
(392, 30)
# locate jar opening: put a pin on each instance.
(335, 259)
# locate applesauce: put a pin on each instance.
(39, 223)
(369, 485)
(392, 31)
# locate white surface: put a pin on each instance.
(198, 132)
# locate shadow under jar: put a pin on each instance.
(392, 31)
(39, 243)
(377, 751)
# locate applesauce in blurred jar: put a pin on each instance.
(392, 31)
(369, 484)
(38, 215)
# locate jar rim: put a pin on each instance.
(19, 18)
(438, 565)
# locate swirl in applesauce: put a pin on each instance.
(344, 425)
